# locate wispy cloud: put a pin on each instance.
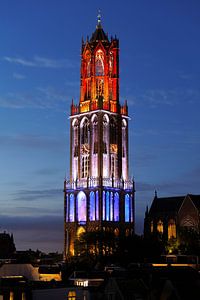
(157, 97)
(31, 141)
(19, 76)
(41, 62)
(33, 195)
(38, 98)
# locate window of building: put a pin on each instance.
(85, 132)
(103, 206)
(75, 137)
(71, 208)
(85, 166)
(97, 205)
(116, 207)
(111, 206)
(11, 296)
(127, 208)
(151, 226)
(71, 295)
(99, 63)
(99, 87)
(107, 206)
(92, 206)
(160, 226)
(171, 229)
(112, 166)
(81, 206)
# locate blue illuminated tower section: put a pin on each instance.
(98, 196)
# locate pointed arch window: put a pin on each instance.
(105, 133)
(116, 206)
(71, 208)
(127, 208)
(75, 136)
(95, 134)
(81, 207)
(85, 132)
(99, 63)
(160, 226)
(92, 206)
(171, 229)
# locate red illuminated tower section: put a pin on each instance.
(99, 195)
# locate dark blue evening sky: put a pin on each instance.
(39, 75)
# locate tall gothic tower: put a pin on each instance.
(99, 195)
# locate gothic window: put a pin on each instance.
(71, 208)
(127, 208)
(113, 131)
(99, 87)
(97, 206)
(111, 206)
(85, 131)
(111, 58)
(81, 207)
(88, 89)
(95, 134)
(116, 207)
(151, 226)
(107, 206)
(75, 137)
(85, 166)
(105, 133)
(99, 63)
(171, 229)
(160, 226)
(110, 87)
(116, 232)
(124, 136)
(112, 166)
(103, 206)
(92, 206)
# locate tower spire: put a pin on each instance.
(99, 19)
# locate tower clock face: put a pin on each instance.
(85, 149)
(113, 148)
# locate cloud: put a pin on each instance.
(41, 62)
(19, 76)
(40, 98)
(44, 232)
(157, 97)
(31, 141)
(34, 195)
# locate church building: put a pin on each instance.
(99, 196)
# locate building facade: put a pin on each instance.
(167, 216)
(98, 196)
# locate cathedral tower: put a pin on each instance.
(99, 195)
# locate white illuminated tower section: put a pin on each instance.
(99, 195)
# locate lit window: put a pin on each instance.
(171, 229)
(116, 207)
(92, 207)
(11, 296)
(127, 208)
(81, 207)
(97, 205)
(71, 295)
(85, 166)
(160, 226)
(107, 206)
(99, 65)
(71, 208)
(151, 227)
(103, 206)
